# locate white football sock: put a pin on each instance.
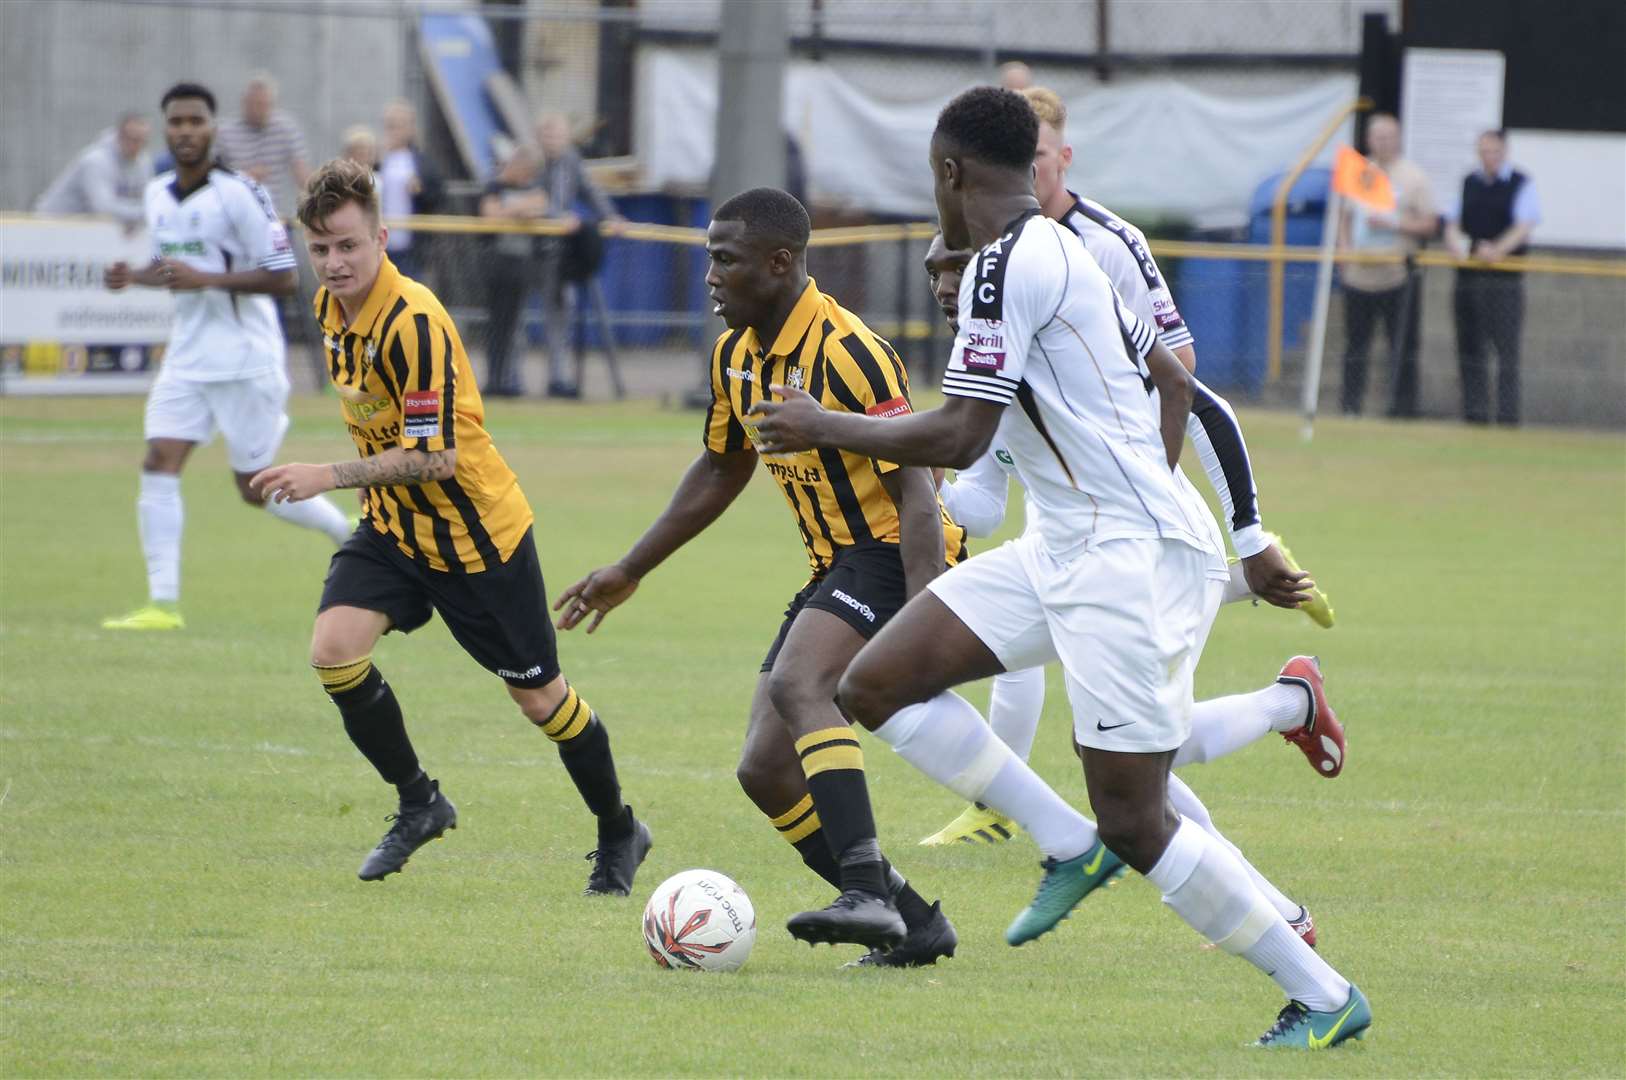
(1189, 806)
(946, 739)
(1225, 725)
(1236, 589)
(315, 513)
(159, 514)
(1206, 886)
(1014, 706)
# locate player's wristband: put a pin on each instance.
(1249, 540)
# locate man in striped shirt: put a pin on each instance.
(875, 534)
(446, 530)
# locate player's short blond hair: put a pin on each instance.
(1048, 105)
(338, 182)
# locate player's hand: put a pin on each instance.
(117, 276)
(605, 588)
(1273, 581)
(789, 426)
(178, 276)
(292, 483)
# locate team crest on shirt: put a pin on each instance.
(796, 378)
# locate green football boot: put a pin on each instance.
(1303, 1028)
(1061, 889)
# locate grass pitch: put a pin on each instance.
(181, 816)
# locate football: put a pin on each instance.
(700, 919)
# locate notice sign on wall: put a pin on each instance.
(51, 287)
(1449, 97)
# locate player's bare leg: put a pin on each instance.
(801, 690)
(159, 514)
(584, 748)
(341, 652)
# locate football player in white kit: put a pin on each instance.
(220, 250)
(1119, 582)
(1295, 704)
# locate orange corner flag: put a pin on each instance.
(1360, 180)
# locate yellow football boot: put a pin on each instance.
(151, 617)
(1318, 607)
(975, 825)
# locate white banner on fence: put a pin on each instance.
(51, 284)
(1158, 145)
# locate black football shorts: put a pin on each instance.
(864, 587)
(499, 616)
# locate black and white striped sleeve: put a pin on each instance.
(999, 298)
(1136, 332)
(1217, 435)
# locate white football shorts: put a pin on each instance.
(250, 414)
(1127, 619)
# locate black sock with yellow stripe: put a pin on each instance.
(834, 766)
(800, 827)
(584, 747)
(372, 719)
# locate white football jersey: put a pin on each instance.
(226, 224)
(1041, 328)
(1120, 249)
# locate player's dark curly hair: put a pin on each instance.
(338, 182)
(771, 216)
(991, 125)
(187, 90)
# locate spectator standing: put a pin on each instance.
(107, 177)
(266, 143)
(515, 194)
(1386, 291)
(1492, 220)
(575, 201)
(408, 184)
(361, 146)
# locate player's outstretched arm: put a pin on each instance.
(920, 526)
(182, 276)
(952, 436)
(712, 483)
(297, 481)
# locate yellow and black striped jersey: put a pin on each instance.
(827, 351)
(404, 380)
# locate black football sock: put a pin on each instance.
(834, 766)
(911, 905)
(584, 747)
(372, 719)
(800, 827)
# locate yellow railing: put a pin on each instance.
(1278, 227)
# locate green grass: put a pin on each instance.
(182, 816)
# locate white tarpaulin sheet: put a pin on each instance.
(1154, 146)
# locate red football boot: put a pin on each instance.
(1322, 736)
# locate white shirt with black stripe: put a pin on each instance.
(1120, 249)
(224, 225)
(1042, 329)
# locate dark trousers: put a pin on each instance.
(1490, 312)
(510, 279)
(508, 282)
(1362, 311)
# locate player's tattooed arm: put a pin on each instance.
(297, 481)
(396, 466)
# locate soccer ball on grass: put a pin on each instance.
(700, 919)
